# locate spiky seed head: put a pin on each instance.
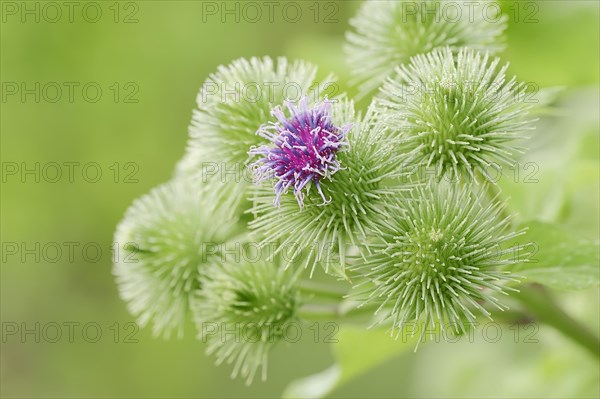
(457, 113)
(320, 233)
(303, 149)
(248, 306)
(437, 259)
(387, 33)
(160, 246)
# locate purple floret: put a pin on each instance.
(304, 150)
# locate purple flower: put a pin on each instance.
(303, 151)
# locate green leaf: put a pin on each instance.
(558, 259)
(556, 180)
(357, 351)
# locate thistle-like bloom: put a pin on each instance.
(436, 258)
(303, 149)
(370, 174)
(242, 311)
(160, 247)
(387, 33)
(232, 105)
(457, 113)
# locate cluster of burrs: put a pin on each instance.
(324, 184)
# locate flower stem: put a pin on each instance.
(540, 303)
(493, 192)
(322, 290)
(318, 312)
(314, 312)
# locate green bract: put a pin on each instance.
(438, 256)
(387, 33)
(457, 113)
(243, 309)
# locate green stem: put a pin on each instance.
(319, 312)
(541, 304)
(314, 312)
(494, 193)
(321, 290)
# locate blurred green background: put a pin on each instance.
(167, 54)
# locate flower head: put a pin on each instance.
(387, 33)
(159, 250)
(371, 174)
(457, 113)
(438, 256)
(232, 105)
(304, 148)
(247, 306)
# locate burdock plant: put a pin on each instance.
(337, 187)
